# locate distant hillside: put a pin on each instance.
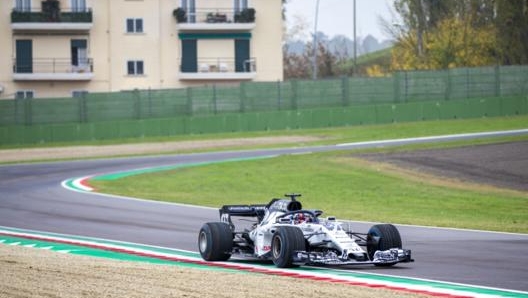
(378, 61)
(340, 45)
(373, 58)
(382, 57)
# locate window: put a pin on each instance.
(79, 54)
(78, 5)
(134, 68)
(240, 5)
(21, 94)
(134, 25)
(190, 7)
(23, 5)
(79, 93)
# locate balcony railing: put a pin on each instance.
(220, 69)
(52, 69)
(212, 19)
(59, 16)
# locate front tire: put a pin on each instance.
(285, 241)
(215, 241)
(382, 237)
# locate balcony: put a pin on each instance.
(218, 69)
(54, 20)
(215, 20)
(52, 69)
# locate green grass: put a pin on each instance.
(347, 187)
(334, 135)
(339, 184)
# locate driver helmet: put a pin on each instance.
(300, 218)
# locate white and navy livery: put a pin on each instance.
(290, 236)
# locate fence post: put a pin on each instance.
(189, 101)
(295, 93)
(279, 94)
(149, 94)
(467, 82)
(242, 97)
(137, 104)
(345, 91)
(214, 99)
(449, 85)
(28, 117)
(406, 81)
(19, 105)
(397, 92)
(497, 81)
(82, 108)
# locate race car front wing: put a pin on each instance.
(386, 257)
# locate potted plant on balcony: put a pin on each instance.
(246, 15)
(180, 15)
(217, 17)
(51, 10)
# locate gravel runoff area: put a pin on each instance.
(49, 153)
(31, 272)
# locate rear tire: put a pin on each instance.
(382, 237)
(215, 241)
(284, 242)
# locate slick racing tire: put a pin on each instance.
(215, 241)
(285, 241)
(382, 237)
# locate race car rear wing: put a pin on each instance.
(259, 210)
(227, 211)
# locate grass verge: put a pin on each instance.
(254, 140)
(340, 185)
(331, 135)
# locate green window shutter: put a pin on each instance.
(242, 55)
(189, 59)
(24, 56)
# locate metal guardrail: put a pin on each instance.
(225, 65)
(52, 65)
(58, 16)
(217, 15)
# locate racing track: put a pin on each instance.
(31, 198)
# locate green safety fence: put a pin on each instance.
(255, 97)
(268, 120)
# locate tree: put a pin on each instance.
(455, 33)
(300, 66)
(512, 31)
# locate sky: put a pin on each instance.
(336, 16)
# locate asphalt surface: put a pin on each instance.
(31, 198)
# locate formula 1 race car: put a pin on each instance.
(291, 236)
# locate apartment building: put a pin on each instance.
(64, 48)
